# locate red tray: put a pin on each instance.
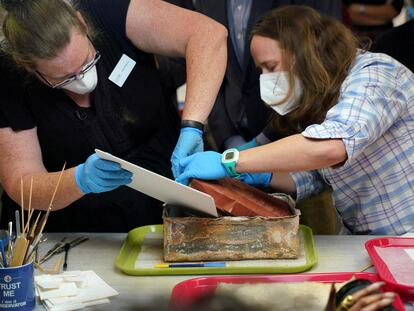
(189, 291)
(392, 263)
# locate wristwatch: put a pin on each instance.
(192, 123)
(229, 160)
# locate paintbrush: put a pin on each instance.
(52, 199)
(29, 210)
(36, 238)
(21, 242)
(33, 229)
(22, 202)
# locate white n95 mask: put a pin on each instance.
(83, 85)
(274, 87)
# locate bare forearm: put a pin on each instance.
(204, 74)
(292, 154)
(372, 14)
(43, 187)
(283, 182)
(165, 29)
(386, 12)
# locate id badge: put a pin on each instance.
(122, 70)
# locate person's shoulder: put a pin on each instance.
(366, 61)
(109, 9)
(105, 15)
(375, 69)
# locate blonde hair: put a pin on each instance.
(38, 29)
(320, 50)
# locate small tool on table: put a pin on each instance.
(219, 264)
(65, 264)
(54, 250)
(60, 247)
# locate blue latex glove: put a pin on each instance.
(248, 145)
(97, 175)
(410, 12)
(256, 179)
(189, 142)
(202, 165)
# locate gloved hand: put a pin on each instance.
(202, 165)
(189, 142)
(256, 179)
(97, 175)
(248, 145)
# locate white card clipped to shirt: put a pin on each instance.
(122, 70)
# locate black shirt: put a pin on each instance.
(398, 43)
(134, 122)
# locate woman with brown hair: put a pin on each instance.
(347, 118)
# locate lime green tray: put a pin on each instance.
(131, 249)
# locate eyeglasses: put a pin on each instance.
(79, 76)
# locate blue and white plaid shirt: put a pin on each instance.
(373, 190)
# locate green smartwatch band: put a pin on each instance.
(229, 160)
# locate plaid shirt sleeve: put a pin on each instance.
(307, 183)
(369, 103)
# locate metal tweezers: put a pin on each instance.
(60, 247)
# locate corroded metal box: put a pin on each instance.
(195, 238)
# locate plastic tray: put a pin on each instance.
(404, 266)
(188, 291)
(131, 248)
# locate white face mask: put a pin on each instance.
(85, 85)
(274, 87)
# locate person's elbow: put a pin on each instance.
(335, 153)
(11, 185)
(221, 33)
(216, 33)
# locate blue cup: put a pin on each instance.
(17, 288)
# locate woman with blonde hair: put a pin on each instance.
(347, 118)
(92, 82)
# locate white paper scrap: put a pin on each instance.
(78, 289)
(410, 252)
(96, 302)
(65, 290)
(97, 289)
(61, 300)
(46, 282)
(81, 280)
(69, 307)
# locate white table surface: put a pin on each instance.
(335, 254)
